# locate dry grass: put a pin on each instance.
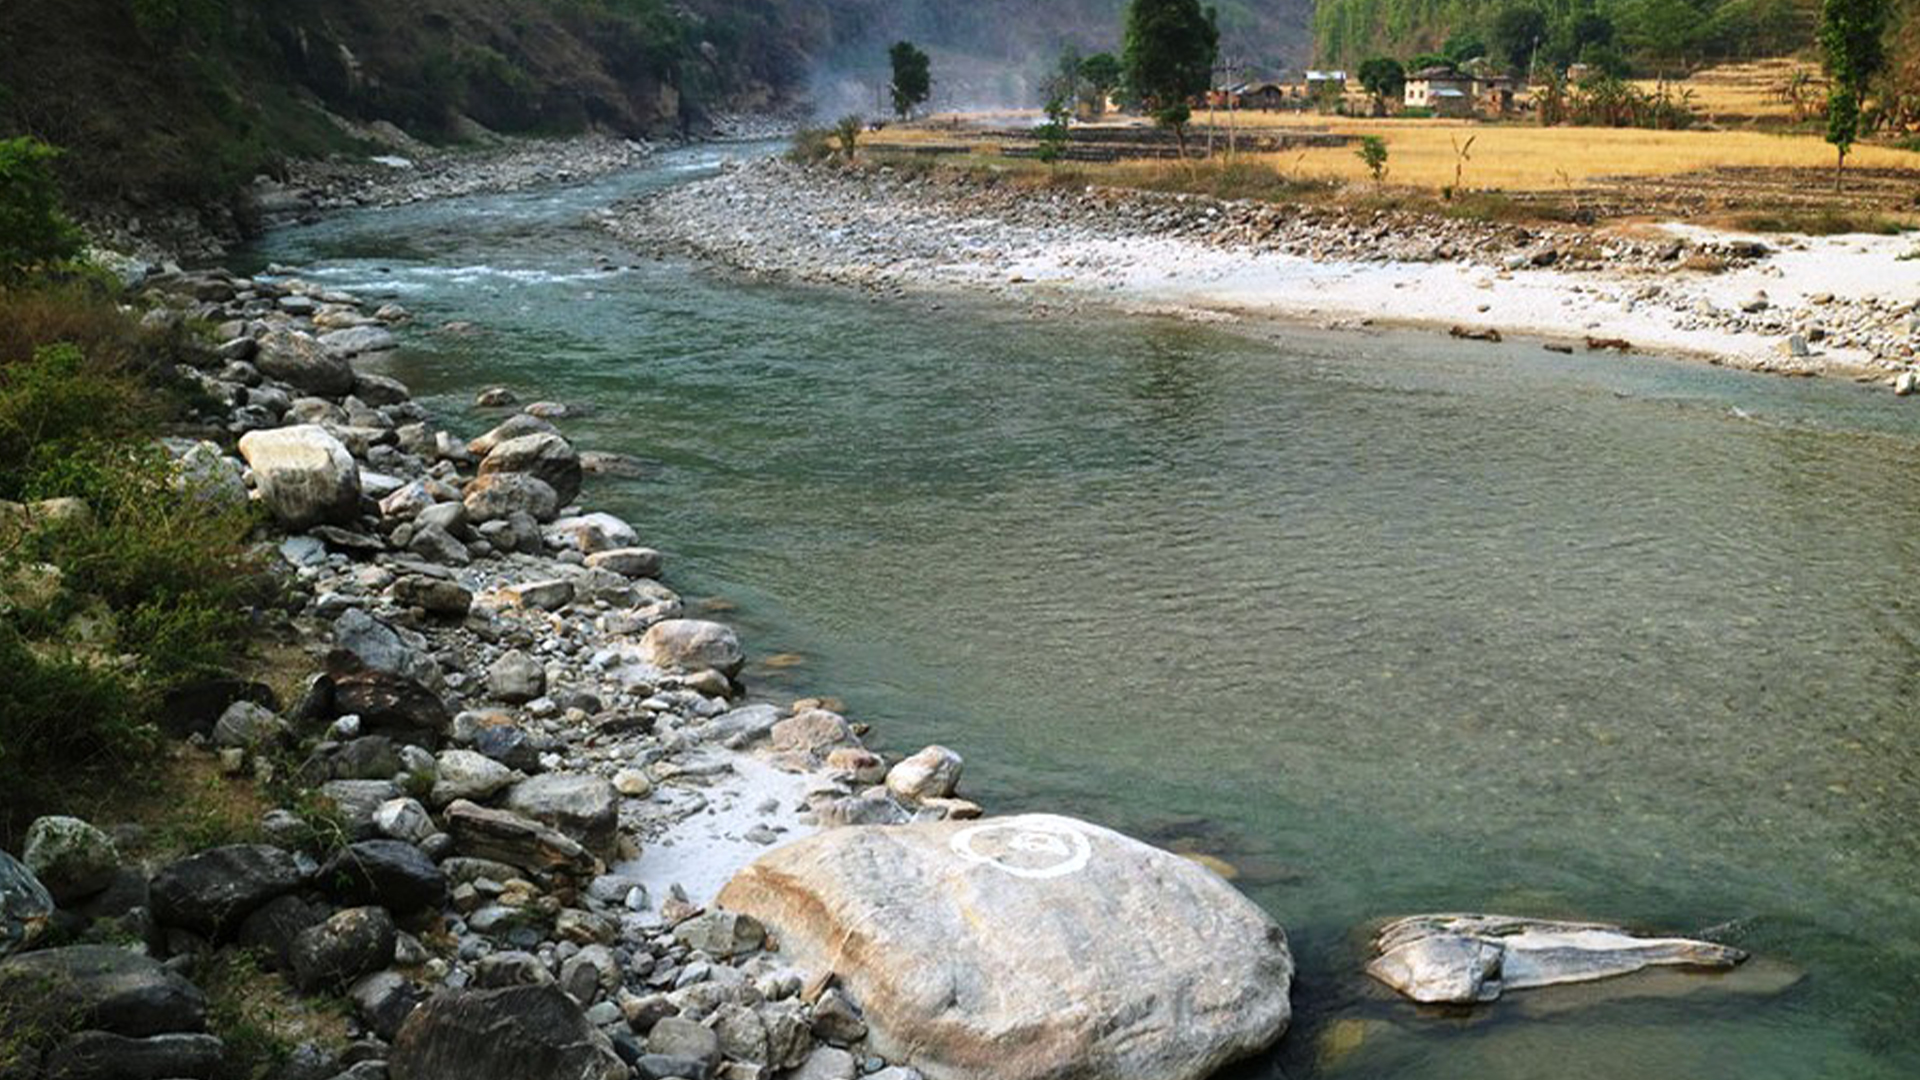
(1514, 157)
(1507, 157)
(1757, 90)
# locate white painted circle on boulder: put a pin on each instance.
(1033, 846)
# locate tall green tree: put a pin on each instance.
(34, 233)
(1168, 58)
(1516, 33)
(912, 77)
(1100, 76)
(1384, 78)
(1851, 39)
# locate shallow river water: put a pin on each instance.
(1390, 623)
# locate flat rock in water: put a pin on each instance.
(1027, 947)
(1460, 959)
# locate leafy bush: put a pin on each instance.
(155, 584)
(63, 720)
(811, 145)
(847, 133)
(34, 233)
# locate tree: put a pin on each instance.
(1168, 58)
(1850, 40)
(34, 233)
(1384, 78)
(1517, 30)
(1463, 46)
(1423, 61)
(847, 132)
(1100, 76)
(1373, 151)
(1054, 133)
(912, 77)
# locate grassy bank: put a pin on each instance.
(124, 578)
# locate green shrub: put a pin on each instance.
(811, 145)
(34, 233)
(50, 407)
(64, 720)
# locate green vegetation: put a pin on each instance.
(137, 581)
(912, 77)
(1614, 36)
(1373, 153)
(1168, 58)
(34, 233)
(1053, 133)
(847, 133)
(1852, 34)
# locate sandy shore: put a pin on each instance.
(1839, 306)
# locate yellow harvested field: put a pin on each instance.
(1517, 157)
(1782, 89)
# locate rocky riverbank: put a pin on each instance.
(1793, 305)
(516, 777)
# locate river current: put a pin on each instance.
(1390, 623)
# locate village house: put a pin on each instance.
(1440, 90)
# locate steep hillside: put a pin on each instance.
(1648, 35)
(162, 104)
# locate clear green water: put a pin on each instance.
(1391, 623)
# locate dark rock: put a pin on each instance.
(511, 1034)
(388, 700)
(97, 987)
(25, 905)
(383, 1001)
(275, 924)
(335, 953)
(356, 801)
(103, 1055)
(391, 873)
(211, 892)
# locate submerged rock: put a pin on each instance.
(1461, 959)
(1027, 947)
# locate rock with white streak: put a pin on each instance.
(1027, 948)
(304, 475)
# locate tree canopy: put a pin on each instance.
(912, 77)
(1168, 54)
(1851, 43)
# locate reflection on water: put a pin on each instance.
(1391, 624)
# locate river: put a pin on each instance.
(1390, 623)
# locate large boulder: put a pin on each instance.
(464, 774)
(305, 476)
(498, 496)
(25, 905)
(691, 645)
(547, 457)
(71, 858)
(583, 806)
(513, 427)
(514, 1033)
(391, 873)
(1027, 947)
(517, 841)
(209, 893)
(102, 1055)
(300, 361)
(98, 988)
(593, 533)
(335, 953)
(1468, 958)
